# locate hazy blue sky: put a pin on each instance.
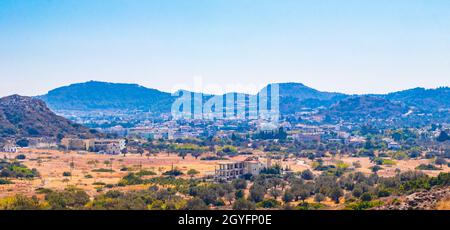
(351, 46)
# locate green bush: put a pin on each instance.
(364, 205)
(103, 170)
(173, 172)
(427, 167)
(268, 203)
(16, 170)
(130, 179)
(310, 206)
(5, 181)
(145, 173)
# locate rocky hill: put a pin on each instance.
(30, 117)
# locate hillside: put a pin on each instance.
(295, 96)
(361, 108)
(95, 95)
(303, 92)
(425, 99)
(30, 117)
(92, 96)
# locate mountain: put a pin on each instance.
(363, 108)
(296, 96)
(424, 99)
(94, 95)
(30, 117)
(302, 92)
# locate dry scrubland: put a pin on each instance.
(52, 164)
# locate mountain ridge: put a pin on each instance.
(294, 97)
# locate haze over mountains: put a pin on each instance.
(95, 95)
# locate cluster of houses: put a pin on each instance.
(102, 146)
(168, 130)
(105, 146)
(10, 148)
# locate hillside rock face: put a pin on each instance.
(30, 117)
(425, 200)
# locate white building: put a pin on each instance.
(234, 169)
(394, 145)
(9, 148)
(108, 146)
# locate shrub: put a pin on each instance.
(427, 167)
(99, 183)
(376, 168)
(310, 206)
(243, 204)
(21, 157)
(307, 175)
(239, 194)
(145, 173)
(192, 172)
(440, 161)
(319, 197)
(239, 184)
(389, 162)
(20, 202)
(70, 198)
(130, 179)
(5, 181)
(268, 203)
(103, 170)
(383, 193)
(213, 158)
(357, 164)
(274, 170)
(366, 197)
(196, 204)
(173, 172)
(109, 186)
(363, 205)
(22, 143)
(16, 170)
(288, 196)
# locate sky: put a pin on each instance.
(349, 46)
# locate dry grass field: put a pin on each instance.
(51, 164)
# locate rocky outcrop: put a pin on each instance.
(425, 200)
(30, 117)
